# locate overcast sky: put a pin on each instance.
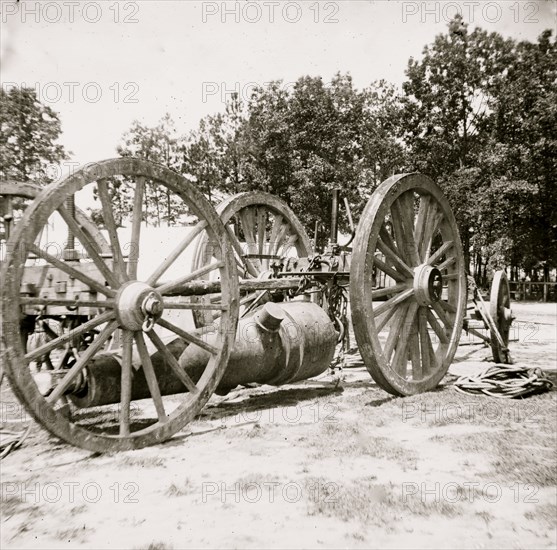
(103, 64)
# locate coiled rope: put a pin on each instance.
(505, 381)
(12, 440)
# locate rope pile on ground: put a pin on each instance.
(12, 440)
(505, 381)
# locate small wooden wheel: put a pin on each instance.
(139, 312)
(263, 229)
(500, 310)
(408, 328)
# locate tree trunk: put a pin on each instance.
(466, 248)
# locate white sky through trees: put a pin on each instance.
(120, 61)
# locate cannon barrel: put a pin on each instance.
(279, 344)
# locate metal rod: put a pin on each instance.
(334, 216)
(201, 287)
(70, 206)
(349, 214)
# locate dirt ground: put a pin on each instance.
(329, 463)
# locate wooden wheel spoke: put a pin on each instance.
(196, 306)
(253, 303)
(448, 262)
(189, 338)
(247, 221)
(399, 362)
(421, 219)
(447, 306)
(443, 316)
(426, 347)
(275, 228)
(394, 332)
(261, 230)
(198, 273)
(402, 211)
(133, 258)
(89, 247)
(84, 358)
(398, 232)
(446, 246)
(173, 363)
(279, 238)
(428, 239)
(385, 317)
(437, 328)
(387, 291)
(388, 270)
(388, 240)
(395, 260)
(289, 243)
(248, 298)
(394, 301)
(67, 267)
(150, 376)
(172, 257)
(251, 268)
(415, 358)
(126, 382)
(427, 233)
(53, 344)
(110, 224)
(32, 300)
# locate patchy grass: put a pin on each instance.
(186, 488)
(486, 516)
(142, 462)
(517, 454)
(155, 545)
(370, 502)
(345, 439)
(77, 534)
(11, 504)
(546, 513)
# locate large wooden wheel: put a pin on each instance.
(140, 311)
(409, 329)
(263, 229)
(500, 311)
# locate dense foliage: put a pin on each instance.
(477, 112)
(29, 132)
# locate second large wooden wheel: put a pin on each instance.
(263, 229)
(131, 301)
(408, 328)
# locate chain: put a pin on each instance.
(148, 323)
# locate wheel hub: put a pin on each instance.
(136, 303)
(428, 284)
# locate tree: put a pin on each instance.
(525, 131)
(159, 144)
(29, 131)
(450, 95)
(213, 152)
(302, 143)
